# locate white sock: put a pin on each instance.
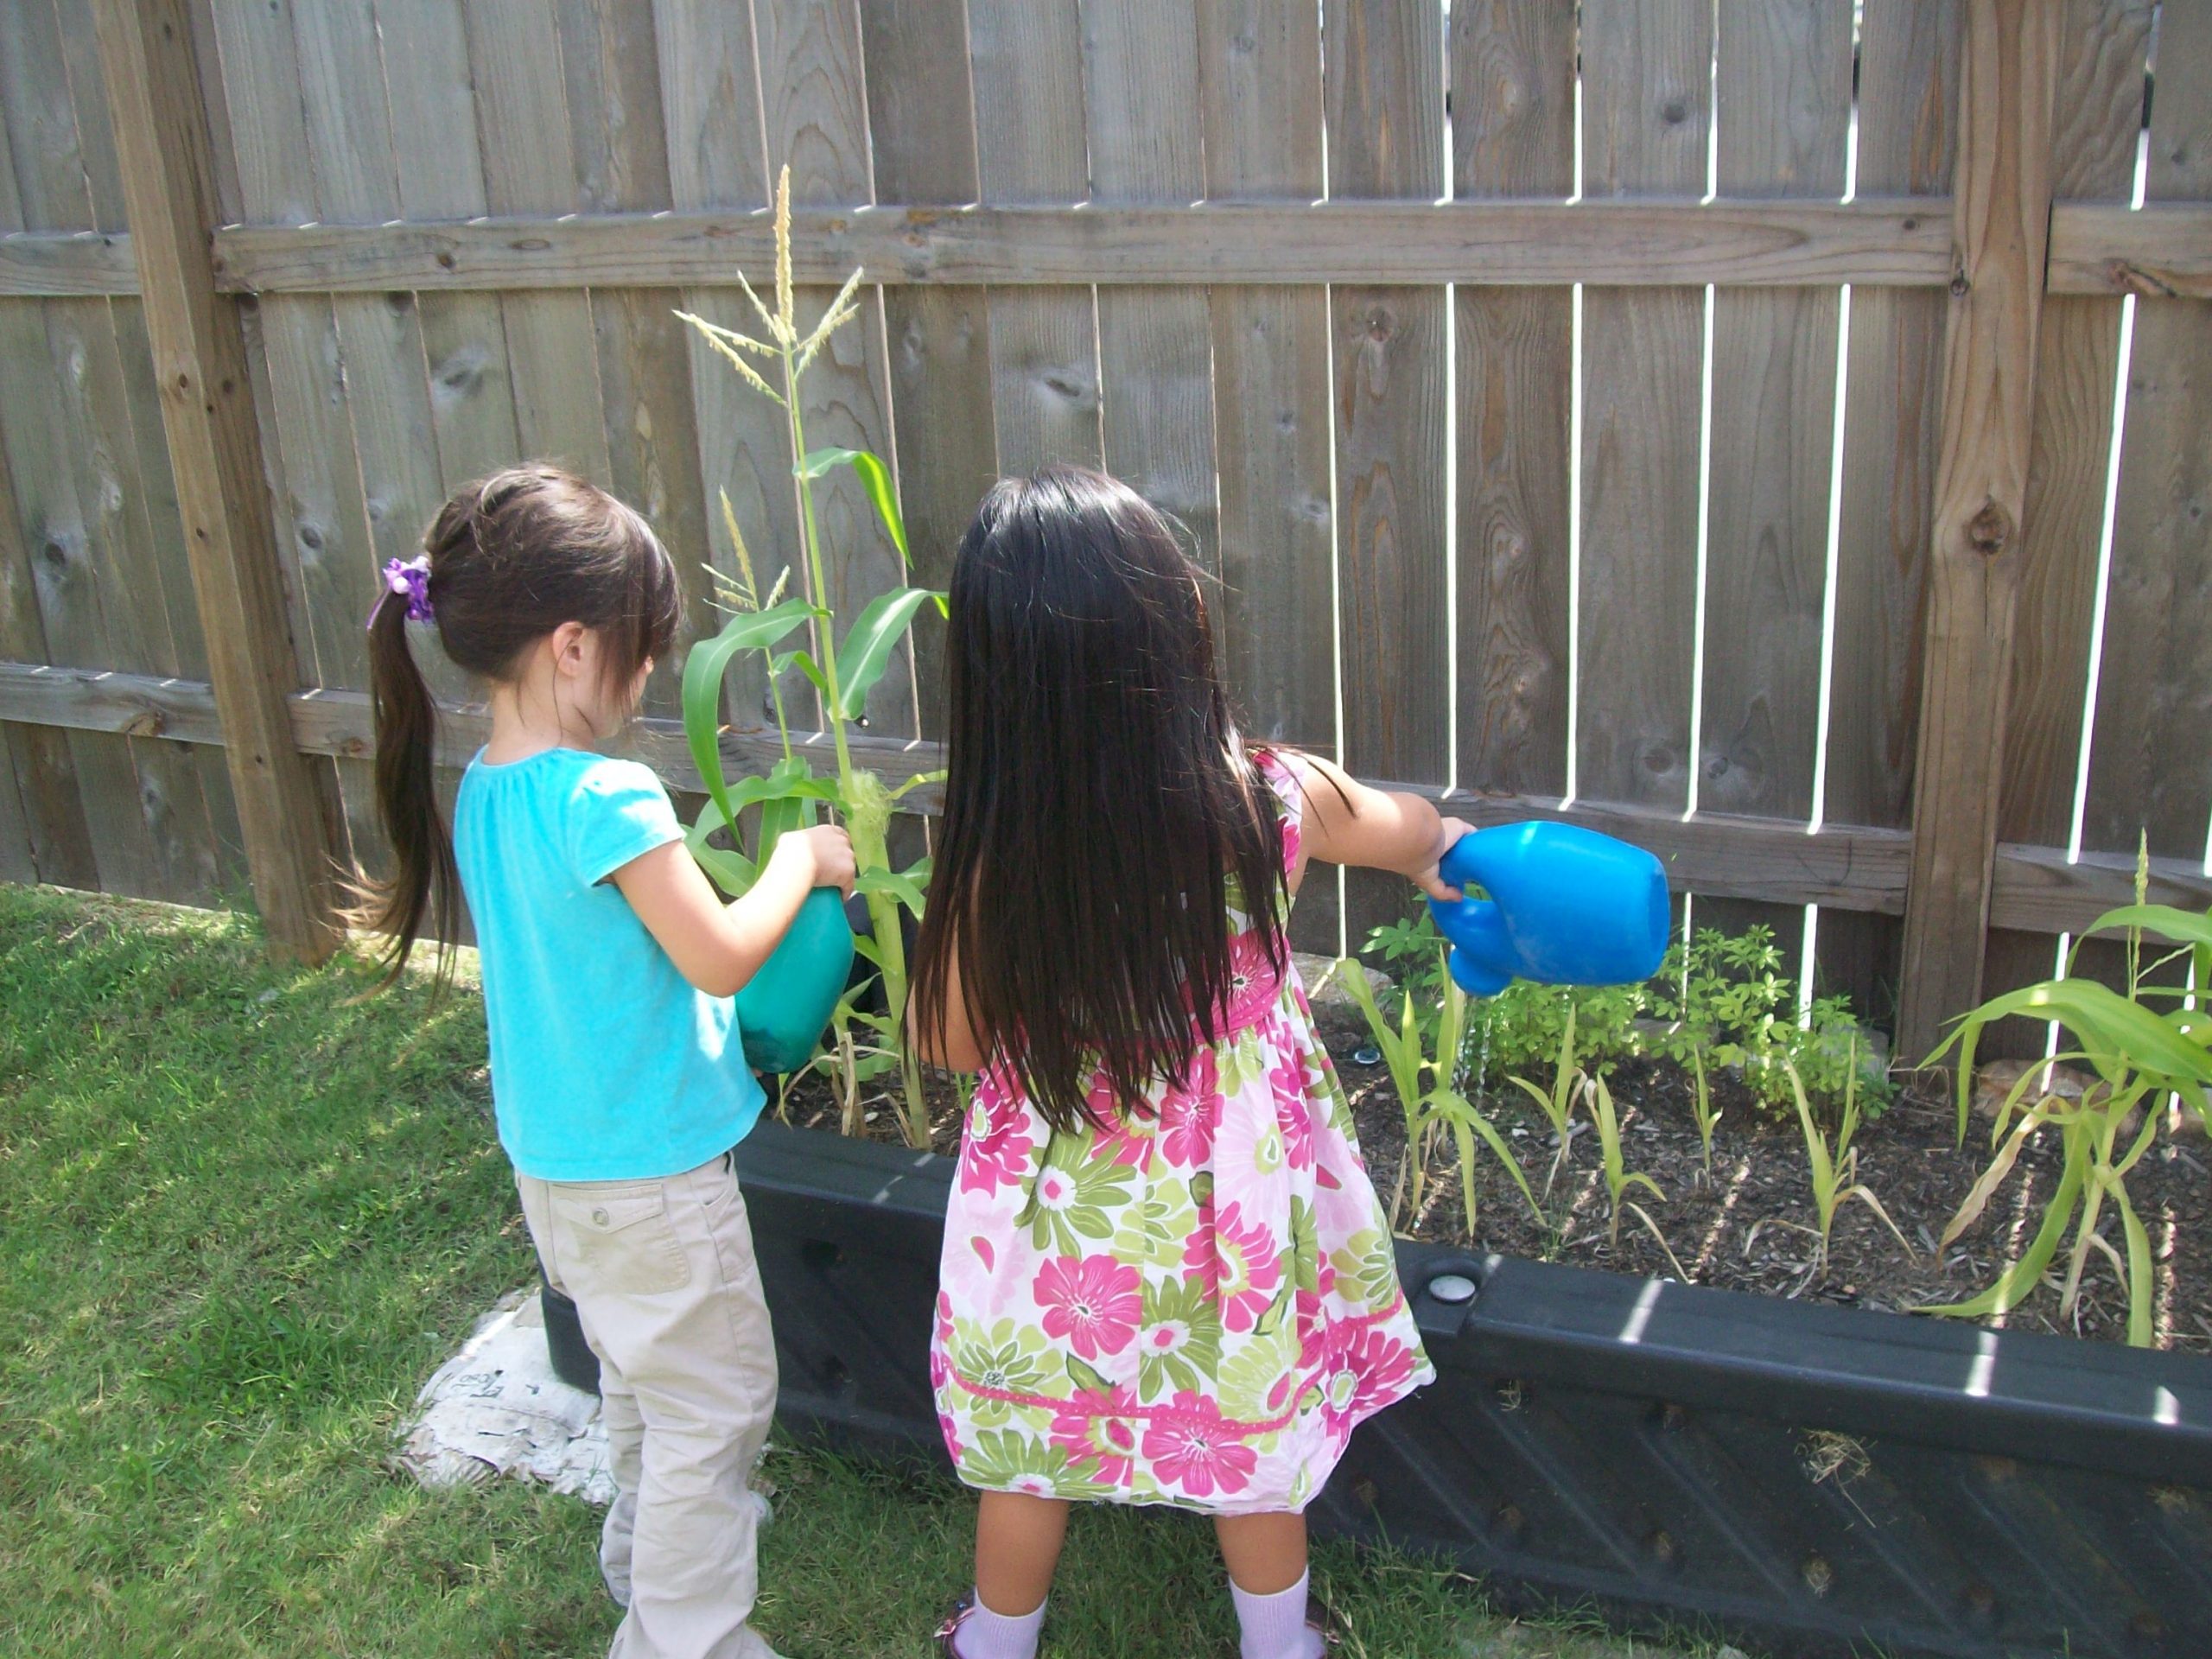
(986, 1634)
(1273, 1627)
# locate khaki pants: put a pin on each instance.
(663, 1276)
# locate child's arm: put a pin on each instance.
(719, 947)
(958, 1049)
(1347, 822)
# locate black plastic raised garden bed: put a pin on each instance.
(1812, 1480)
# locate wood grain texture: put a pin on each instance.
(1031, 148)
(1260, 85)
(151, 74)
(1646, 111)
(1383, 81)
(2097, 121)
(1140, 63)
(922, 120)
(2149, 770)
(2001, 203)
(1908, 81)
(1649, 243)
(1512, 73)
(529, 147)
(815, 113)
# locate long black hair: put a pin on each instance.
(513, 557)
(1101, 811)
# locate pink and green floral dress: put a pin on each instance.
(1196, 1308)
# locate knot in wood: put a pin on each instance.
(1990, 530)
(1959, 286)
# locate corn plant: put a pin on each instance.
(1618, 1176)
(842, 672)
(1835, 1169)
(1558, 1106)
(2141, 1057)
(1430, 1109)
(1701, 1106)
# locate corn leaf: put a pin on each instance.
(2016, 1281)
(875, 479)
(867, 651)
(702, 685)
(898, 886)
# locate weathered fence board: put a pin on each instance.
(1512, 73)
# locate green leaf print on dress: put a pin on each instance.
(1180, 1346)
(1008, 1460)
(1258, 1376)
(1366, 1260)
(1154, 1231)
(1074, 1198)
(1011, 1358)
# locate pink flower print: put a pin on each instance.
(1364, 1369)
(1092, 1302)
(1242, 1267)
(1189, 1115)
(950, 1430)
(1313, 1327)
(1096, 1425)
(1190, 1446)
(941, 1346)
(1116, 1139)
(994, 1151)
(1293, 1111)
(1252, 983)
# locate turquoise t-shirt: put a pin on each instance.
(606, 1065)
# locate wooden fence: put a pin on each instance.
(1779, 440)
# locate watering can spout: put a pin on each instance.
(1565, 906)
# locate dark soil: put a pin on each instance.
(1751, 1226)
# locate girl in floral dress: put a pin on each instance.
(1165, 1278)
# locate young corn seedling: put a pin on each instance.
(1835, 1169)
(1558, 1106)
(1431, 1111)
(1618, 1176)
(2142, 1058)
(1701, 1106)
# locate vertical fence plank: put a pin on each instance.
(921, 113)
(711, 103)
(1030, 149)
(522, 115)
(1155, 358)
(1260, 94)
(439, 172)
(816, 120)
(1781, 113)
(1513, 135)
(153, 81)
(1908, 80)
(1646, 112)
(609, 55)
(1383, 95)
(325, 512)
(43, 432)
(2150, 763)
(2001, 212)
(2096, 126)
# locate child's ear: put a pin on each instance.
(570, 645)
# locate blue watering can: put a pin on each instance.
(784, 1006)
(1566, 907)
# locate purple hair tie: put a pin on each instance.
(410, 577)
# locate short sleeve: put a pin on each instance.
(619, 810)
(1286, 777)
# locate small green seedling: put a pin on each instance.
(1618, 1177)
(1558, 1106)
(1835, 1169)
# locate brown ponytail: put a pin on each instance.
(511, 557)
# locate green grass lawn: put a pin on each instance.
(245, 1212)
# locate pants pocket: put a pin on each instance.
(625, 1243)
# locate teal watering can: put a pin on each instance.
(784, 1008)
(1565, 906)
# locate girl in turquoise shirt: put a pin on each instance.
(609, 965)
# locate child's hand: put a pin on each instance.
(1429, 880)
(829, 852)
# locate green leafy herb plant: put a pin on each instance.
(842, 672)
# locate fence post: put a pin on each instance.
(2000, 231)
(164, 146)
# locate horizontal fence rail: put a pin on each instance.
(1857, 867)
(2095, 247)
